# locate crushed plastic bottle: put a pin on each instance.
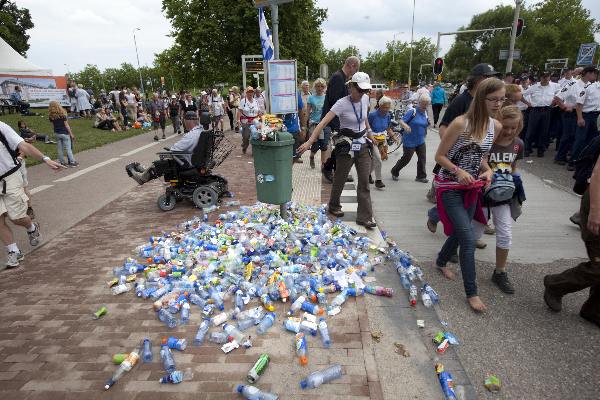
(318, 378)
(167, 357)
(446, 382)
(253, 393)
(266, 323)
(178, 376)
(176, 343)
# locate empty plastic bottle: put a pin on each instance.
(266, 323)
(339, 299)
(296, 305)
(147, 351)
(314, 309)
(246, 324)
(218, 337)
(426, 299)
(127, 364)
(202, 329)
(197, 300)
(239, 300)
(176, 343)
(404, 281)
(253, 393)
(140, 286)
(435, 298)
(267, 302)
(121, 288)
(234, 332)
(185, 313)
(168, 318)
(318, 378)
(167, 357)
(379, 291)
(178, 376)
(219, 319)
(412, 295)
(324, 332)
(301, 348)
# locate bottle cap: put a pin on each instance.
(240, 388)
(303, 360)
(303, 384)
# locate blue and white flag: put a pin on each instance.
(266, 40)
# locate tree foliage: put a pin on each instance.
(14, 24)
(212, 35)
(553, 29)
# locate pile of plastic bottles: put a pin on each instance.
(234, 271)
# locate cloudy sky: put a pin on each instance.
(71, 33)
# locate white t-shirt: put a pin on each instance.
(249, 108)
(352, 115)
(217, 104)
(13, 140)
(130, 98)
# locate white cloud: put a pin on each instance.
(80, 32)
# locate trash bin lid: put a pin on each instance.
(284, 139)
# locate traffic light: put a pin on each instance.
(438, 66)
(520, 25)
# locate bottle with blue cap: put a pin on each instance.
(318, 378)
(266, 323)
(253, 393)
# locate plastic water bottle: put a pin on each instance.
(197, 300)
(339, 299)
(239, 300)
(178, 376)
(253, 393)
(301, 348)
(324, 333)
(234, 332)
(167, 357)
(167, 318)
(121, 288)
(140, 286)
(176, 343)
(412, 295)
(426, 299)
(185, 313)
(435, 298)
(318, 378)
(246, 324)
(296, 305)
(147, 351)
(218, 337)
(404, 281)
(266, 323)
(267, 302)
(219, 319)
(314, 309)
(127, 364)
(202, 329)
(210, 209)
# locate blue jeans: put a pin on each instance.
(584, 135)
(569, 125)
(63, 141)
(433, 215)
(462, 238)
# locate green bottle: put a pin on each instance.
(259, 368)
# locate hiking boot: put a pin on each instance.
(156, 138)
(312, 162)
(422, 180)
(138, 177)
(369, 224)
(553, 302)
(13, 258)
(501, 280)
(480, 244)
(327, 174)
(34, 237)
(336, 213)
(379, 184)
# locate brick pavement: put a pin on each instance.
(51, 348)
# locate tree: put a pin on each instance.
(14, 23)
(335, 58)
(89, 77)
(211, 37)
(553, 29)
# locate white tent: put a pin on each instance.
(12, 63)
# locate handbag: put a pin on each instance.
(500, 191)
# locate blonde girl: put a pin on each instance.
(64, 136)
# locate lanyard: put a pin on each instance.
(358, 116)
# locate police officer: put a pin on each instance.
(566, 99)
(588, 109)
(539, 98)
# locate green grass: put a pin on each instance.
(86, 136)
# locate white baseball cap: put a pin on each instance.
(361, 79)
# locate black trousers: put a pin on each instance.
(407, 156)
(523, 133)
(437, 108)
(585, 275)
(537, 129)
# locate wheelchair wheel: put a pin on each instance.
(205, 196)
(162, 202)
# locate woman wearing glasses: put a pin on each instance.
(460, 181)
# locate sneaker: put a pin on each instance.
(576, 219)
(422, 180)
(552, 301)
(432, 226)
(312, 162)
(480, 244)
(501, 280)
(371, 181)
(156, 138)
(453, 259)
(369, 224)
(298, 160)
(488, 230)
(349, 178)
(336, 213)
(73, 164)
(30, 213)
(13, 258)
(164, 137)
(396, 178)
(560, 162)
(34, 237)
(379, 184)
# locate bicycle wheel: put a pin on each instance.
(395, 145)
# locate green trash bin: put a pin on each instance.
(273, 168)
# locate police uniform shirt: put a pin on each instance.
(564, 82)
(569, 93)
(541, 96)
(589, 97)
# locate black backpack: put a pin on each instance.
(585, 165)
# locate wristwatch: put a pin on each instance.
(45, 158)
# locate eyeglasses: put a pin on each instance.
(497, 100)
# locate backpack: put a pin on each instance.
(13, 154)
(500, 191)
(584, 166)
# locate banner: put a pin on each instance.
(37, 90)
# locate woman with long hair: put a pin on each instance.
(352, 146)
(64, 136)
(459, 183)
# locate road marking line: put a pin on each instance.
(86, 170)
(40, 188)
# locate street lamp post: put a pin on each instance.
(412, 30)
(513, 37)
(138, 60)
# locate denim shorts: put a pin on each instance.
(320, 144)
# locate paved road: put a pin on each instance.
(537, 354)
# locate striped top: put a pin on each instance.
(467, 154)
